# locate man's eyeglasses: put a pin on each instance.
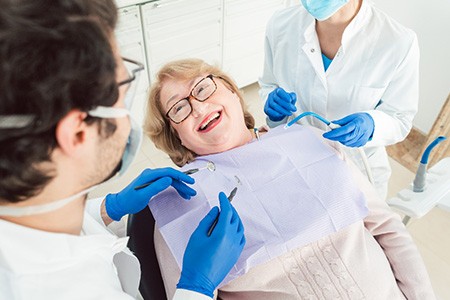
(200, 92)
(134, 68)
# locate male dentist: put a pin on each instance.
(65, 127)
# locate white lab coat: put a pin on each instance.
(37, 264)
(378, 59)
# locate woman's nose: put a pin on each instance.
(198, 107)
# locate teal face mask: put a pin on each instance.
(323, 9)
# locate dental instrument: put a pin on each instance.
(437, 194)
(256, 131)
(419, 182)
(230, 198)
(209, 166)
(313, 114)
(334, 126)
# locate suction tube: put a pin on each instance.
(421, 174)
(334, 126)
(308, 113)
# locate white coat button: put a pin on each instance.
(312, 50)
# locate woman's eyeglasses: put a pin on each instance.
(200, 92)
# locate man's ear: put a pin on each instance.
(71, 131)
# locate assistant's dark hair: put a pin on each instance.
(55, 56)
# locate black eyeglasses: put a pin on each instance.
(200, 92)
(133, 68)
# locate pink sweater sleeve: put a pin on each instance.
(393, 237)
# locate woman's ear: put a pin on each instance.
(71, 132)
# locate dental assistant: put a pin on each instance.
(65, 127)
(350, 63)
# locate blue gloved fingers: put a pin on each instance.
(357, 129)
(149, 175)
(281, 107)
(284, 100)
(345, 120)
(279, 104)
(293, 98)
(183, 190)
(235, 217)
(358, 141)
(338, 133)
(207, 221)
(208, 259)
(273, 114)
(243, 241)
(226, 211)
(240, 227)
(151, 190)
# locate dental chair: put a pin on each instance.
(140, 229)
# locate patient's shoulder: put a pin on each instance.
(337, 147)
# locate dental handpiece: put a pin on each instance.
(209, 165)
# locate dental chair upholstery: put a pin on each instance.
(140, 229)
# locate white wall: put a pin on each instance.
(431, 22)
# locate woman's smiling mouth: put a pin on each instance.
(210, 122)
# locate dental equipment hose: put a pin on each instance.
(334, 126)
(419, 182)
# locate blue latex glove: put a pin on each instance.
(280, 104)
(208, 259)
(130, 201)
(355, 131)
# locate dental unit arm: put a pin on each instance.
(430, 188)
(420, 179)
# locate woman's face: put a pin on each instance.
(214, 125)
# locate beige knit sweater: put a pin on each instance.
(375, 258)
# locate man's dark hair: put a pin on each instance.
(55, 56)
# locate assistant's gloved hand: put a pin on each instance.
(130, 201)
(208, 259)
(355, 131)
(280, 104)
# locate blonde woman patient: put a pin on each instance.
(194, 110)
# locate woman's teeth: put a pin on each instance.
(213, 117)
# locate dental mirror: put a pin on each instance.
(209, 166)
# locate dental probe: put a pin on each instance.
(230, 198)
(209, 165)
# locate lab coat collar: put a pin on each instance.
(24, 250)
(310, 32)
(358, 22)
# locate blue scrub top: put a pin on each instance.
(326, 62)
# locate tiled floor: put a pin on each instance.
(431, 232)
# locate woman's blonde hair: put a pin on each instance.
(158, 127)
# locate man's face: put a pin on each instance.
(110, 149)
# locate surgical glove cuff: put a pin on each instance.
(196, 283)
(112, 207)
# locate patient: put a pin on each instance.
(371, 257)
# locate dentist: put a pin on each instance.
(350, 63)
(65, 127)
